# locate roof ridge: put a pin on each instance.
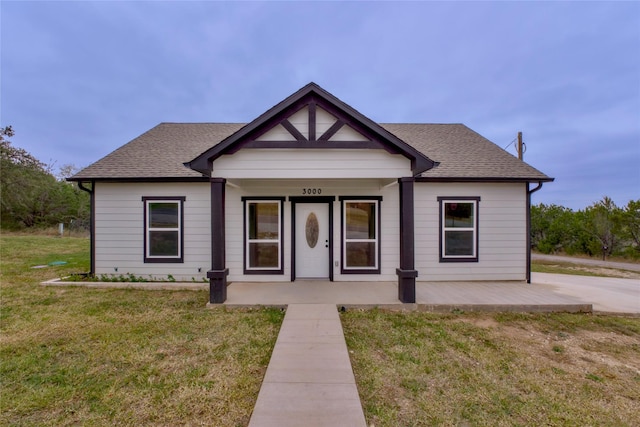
(244, 123)
(202, 123)
(422, 123)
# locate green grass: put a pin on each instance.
(84, 356)
(420, 369)
(76, 356)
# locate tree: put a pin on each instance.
(30, 194)
(602, 221)
(602, 225)
(18, 156)
(67, 170)
(552, 228)
(22, 177)
(630, 226)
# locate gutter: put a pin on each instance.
(529, 193)
(92, 222)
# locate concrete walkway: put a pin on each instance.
(309, 380)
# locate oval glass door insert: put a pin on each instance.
(311, 230)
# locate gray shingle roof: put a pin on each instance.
(463, 153)
(160, 153)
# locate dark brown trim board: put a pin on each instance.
(528, 227)
(293, 131)
(218, 274)
(477, 179)
(406, 272)
(144, 179)
(92, 223)
(312, 121)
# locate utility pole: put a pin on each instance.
(520, 145)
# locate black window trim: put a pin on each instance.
(441, 200)
(343, 268)
(163, 260)
(245, 261)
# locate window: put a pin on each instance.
(163, 224)
(458, 229)
(360, 235)
(263, 231)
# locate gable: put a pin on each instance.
(309, 124)
(311, 119)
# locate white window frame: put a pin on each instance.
(148, 256)
(361, 269)
(444, 201)
(248, 240)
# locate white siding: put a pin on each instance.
(347, 133)
(502, 228)
(300, 121)
(119, 229)
(501, 232)
(278, 133)
(285, 188)
(311, 164)
(324, 120)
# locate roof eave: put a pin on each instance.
(141, 179)
(483, 179)
(202, 165)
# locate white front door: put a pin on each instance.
(312, 240)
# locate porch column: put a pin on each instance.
(406, 273)
(218, 274)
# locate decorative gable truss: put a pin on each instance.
(312, 118)
(313, 124)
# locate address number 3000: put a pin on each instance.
(311, 191)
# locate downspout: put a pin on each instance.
(92, 210)
(529, 193)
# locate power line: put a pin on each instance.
(513, 141)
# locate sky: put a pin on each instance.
(78, 79)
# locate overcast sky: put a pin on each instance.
(80, 79)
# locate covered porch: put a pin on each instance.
(430, 296)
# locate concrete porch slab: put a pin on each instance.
(430, 296)
(311, 292)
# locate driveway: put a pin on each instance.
(605, 293)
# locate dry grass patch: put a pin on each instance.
(78, 356)
(420, 369)
(558, 267)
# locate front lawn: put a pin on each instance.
(81, 356)
(420, 369)
(84, 356)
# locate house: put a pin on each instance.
(311, 189)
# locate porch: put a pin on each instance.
(430, 296)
